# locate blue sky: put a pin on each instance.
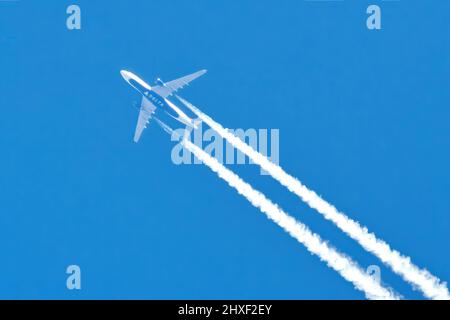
(363, 119)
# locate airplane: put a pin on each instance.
(156, 97)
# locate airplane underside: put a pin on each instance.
(156, 98)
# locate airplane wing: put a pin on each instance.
(173, 86)
(145, 115)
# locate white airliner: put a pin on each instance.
(156, 97)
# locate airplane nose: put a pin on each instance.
(125, 74)
(134, 81)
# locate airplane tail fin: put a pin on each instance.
(187, 131)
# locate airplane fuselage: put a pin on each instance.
(166, 105)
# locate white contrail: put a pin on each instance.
(347, 268)
(430, 285)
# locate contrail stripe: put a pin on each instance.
(347, 268)
(422, 279)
